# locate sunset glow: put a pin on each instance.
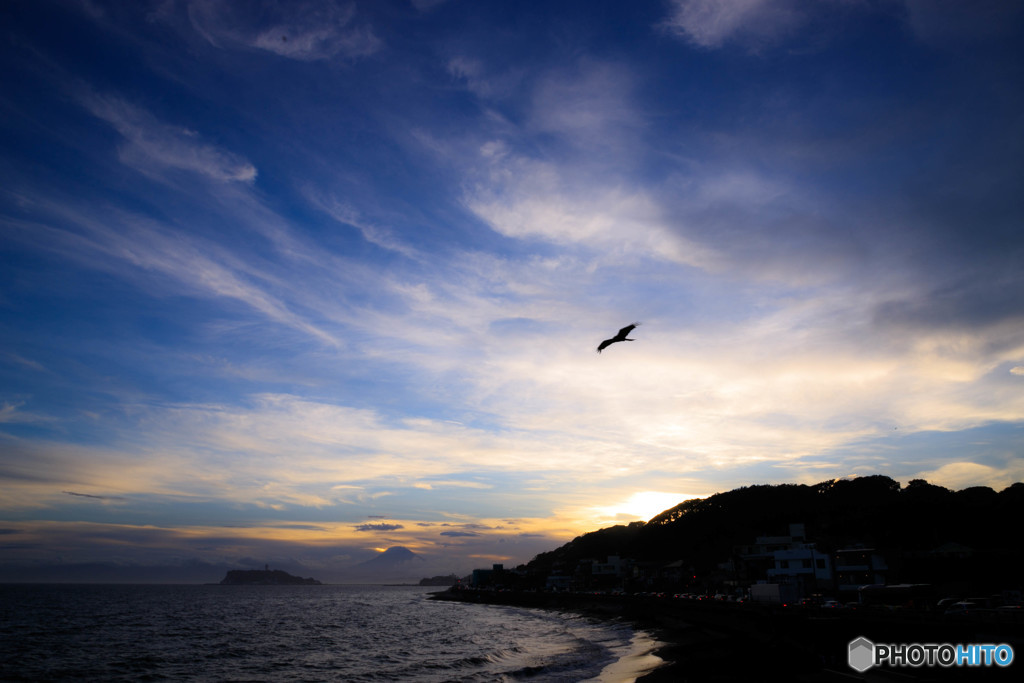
(305, 300)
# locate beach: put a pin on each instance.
(720, 641)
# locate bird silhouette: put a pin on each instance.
(621, 336)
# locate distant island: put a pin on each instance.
(449, 580)
(264, 577)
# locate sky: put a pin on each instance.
(296, 282)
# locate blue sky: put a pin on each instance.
(300, 281)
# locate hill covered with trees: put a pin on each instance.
(929, 533)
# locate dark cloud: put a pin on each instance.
(89, 495)
(456, 534)
(378, 527)
(968, 305)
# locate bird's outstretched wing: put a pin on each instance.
(621, 336)
(625, 331)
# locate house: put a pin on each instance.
(805, 563)
(483, 578)
(784, 568)
(856, 567)
(612, 566)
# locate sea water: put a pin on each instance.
(297, 633)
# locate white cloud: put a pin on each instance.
(305, 31)
(960, 475)
(529, 199)
(107, 240)
(712, 23)
(344, 213)
(152, 146)
(483, 83)
(11, 413)
(590, 104)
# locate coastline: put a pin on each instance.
(636, 664)
(642, 659)
(708, 641)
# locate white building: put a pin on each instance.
(856, 567)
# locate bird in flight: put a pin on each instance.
(621, 336)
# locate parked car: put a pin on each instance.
(962, 608)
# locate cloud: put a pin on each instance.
(107, 239)
(530, 199)
(152, 146)
(379, 527)
(346, 214)
(807, 279)
(723, 220)
(11, 413)
(712, 23)
(26, 362)
(961, 475)
(477, 80)
(301, 30)
(453, 483)
(89, 495)
(590, 104)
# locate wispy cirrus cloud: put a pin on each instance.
(12, 413)
(304, 31)
(344, 213)
(152, 146)
(108, 239)
(824, 252)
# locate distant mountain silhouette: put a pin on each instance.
(395, 562)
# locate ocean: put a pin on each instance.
(63, 632)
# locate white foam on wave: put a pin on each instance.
(637, 660)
